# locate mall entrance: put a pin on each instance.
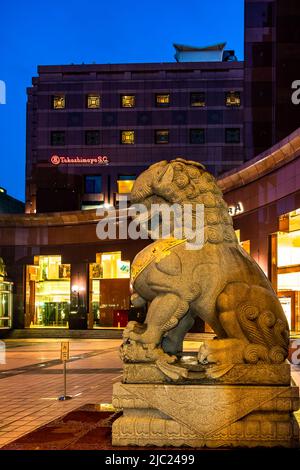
(285, 266)
(48, 292)
(56, 297)
(109, 291)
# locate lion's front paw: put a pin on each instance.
(149, 336)
(133, 327)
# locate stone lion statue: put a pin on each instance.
(219, 282)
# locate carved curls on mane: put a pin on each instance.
(192, 183)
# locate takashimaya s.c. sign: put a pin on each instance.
(76, 160)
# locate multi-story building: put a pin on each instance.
(272, 62)
(91, 129)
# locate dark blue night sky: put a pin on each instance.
(71, 31)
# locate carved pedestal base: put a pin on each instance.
(205, 415)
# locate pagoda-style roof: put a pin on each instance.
(184, 48)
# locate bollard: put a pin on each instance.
(64, 355)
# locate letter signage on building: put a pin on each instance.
(76, 160)
(236, 209)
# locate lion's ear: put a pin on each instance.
(167, 176)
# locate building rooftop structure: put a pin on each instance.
(10, 205)
(213, 53)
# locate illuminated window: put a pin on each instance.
(110, 292)
(125, 183)
(162, 137)
(49, 293)
(93, 184)
(92, 137)
(197, 99)
(58, 102)
(57, 138)
(6, 303)
(288, 249)
(285, 266)
(162, 100)
(197, 136)
(233, 98)
(93, 101)
(127, 101)
(244, 244)
(232, 135)
(127, 137)
(110, 266)
(290, 222)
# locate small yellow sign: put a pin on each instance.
(64, 351)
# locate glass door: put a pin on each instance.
(5, 304)
(109, 290)
(48, 292)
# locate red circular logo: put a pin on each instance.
(55, 160)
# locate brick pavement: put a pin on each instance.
(30, 385)
(31, 381)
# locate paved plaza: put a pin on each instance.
(31, 380)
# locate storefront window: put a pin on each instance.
(286, 266)
(5, 303)
(244, 244)
(288, 248)
(125, 183)
(48, 292)
(5, 298)
(109, 286)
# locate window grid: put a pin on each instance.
(197, 136)
(162, 136)
(162, 99)
(92, 137)
(57, 138)
(232, 135)
(58, 102)
(197, 99)
(233, 98)
(93, 101)
(127, 101)
(127, 137)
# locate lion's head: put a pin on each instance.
(181, 182)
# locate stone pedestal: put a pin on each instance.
(205, 415)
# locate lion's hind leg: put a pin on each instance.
(255, 326)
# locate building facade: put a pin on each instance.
(91, 129)
(65, 277)
(272, 62)
(264, 197)
(9, 204)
